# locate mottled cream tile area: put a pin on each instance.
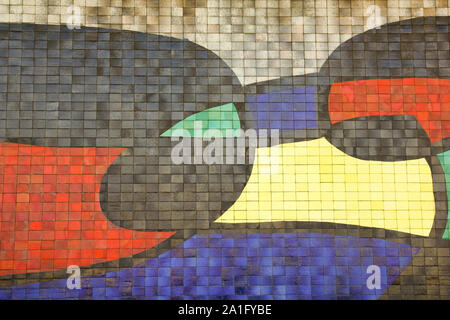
(258, 39)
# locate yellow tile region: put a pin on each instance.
(315, 181)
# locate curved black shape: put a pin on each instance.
(96, 87)
(159, 196)
(381, 138)
(414, 48)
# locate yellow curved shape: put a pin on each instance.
(315, 181)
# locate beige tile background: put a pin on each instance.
(259, 39)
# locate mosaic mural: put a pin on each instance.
(146, 163)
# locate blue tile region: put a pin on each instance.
(244, 266)
(284, 110)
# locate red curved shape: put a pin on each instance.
(425, 98)
(50, 214)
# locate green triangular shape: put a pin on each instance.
(444, 158)
(220, 118)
